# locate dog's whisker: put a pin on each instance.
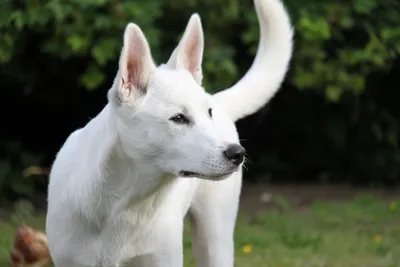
(247, 160)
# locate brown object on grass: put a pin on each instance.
(30, 248)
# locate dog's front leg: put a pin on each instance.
(162, 258)
(212, 246)
(167, 250)
(170, 256)
(213, 218)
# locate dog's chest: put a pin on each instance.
(142, 229)
(131, 236)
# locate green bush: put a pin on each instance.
(348, 126)
(12, 181)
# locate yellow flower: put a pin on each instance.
(378, 239)
(247, 249)
(392, 206)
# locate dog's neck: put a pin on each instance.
(123, 182)
(140, 182)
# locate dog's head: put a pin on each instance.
(164, 116)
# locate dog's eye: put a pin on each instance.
(180, 118)
(210, 112)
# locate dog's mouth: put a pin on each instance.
(188, 174)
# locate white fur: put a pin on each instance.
(115, 193)
(269, 68)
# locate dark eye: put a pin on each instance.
(210, 112)
(180, 118)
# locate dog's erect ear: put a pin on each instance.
(189, 52)
(135, 64)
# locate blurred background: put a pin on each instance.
(325, 148)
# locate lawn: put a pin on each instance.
(361, 231)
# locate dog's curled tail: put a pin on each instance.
(270, 65)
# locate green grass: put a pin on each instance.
(361, 232)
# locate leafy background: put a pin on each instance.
(335, 120)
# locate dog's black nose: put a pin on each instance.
(235, 153)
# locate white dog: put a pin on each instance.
(161, 148)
